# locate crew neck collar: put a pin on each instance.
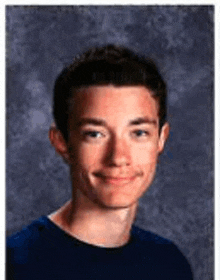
(59, 232)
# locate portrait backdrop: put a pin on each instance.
(41, 40)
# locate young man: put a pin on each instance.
(110, 115)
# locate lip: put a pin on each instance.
(117, 180)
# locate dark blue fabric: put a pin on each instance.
(44, 251)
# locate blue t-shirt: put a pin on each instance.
(44, 251)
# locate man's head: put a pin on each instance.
(111, 125)
(109, 65)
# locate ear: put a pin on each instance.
(58, 142)
(164, 134)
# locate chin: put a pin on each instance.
(116, 203)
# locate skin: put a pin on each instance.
(113, 147)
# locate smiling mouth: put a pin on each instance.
(116, 180)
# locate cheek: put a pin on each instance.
(89, 155)
(146, 155)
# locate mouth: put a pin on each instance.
(116, 180)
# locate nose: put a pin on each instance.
(118, 153)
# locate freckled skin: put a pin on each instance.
(114, 163)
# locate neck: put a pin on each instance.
(93, 224)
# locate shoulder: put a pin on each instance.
(28, 250)
(149, 237)
(155, 243)
(21, 245)
(157, 246)
(28, 235)
(163, 253)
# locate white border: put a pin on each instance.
(110, 2)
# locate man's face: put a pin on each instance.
(114, 144)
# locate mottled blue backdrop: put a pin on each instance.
(41, 40)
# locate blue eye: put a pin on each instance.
(92, 134)
(140, 133)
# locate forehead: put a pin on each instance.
(113, 103)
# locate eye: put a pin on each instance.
(140, 133)
(93, 134)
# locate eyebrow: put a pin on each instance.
(93, 121)
(100, 122)
(144, 120)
